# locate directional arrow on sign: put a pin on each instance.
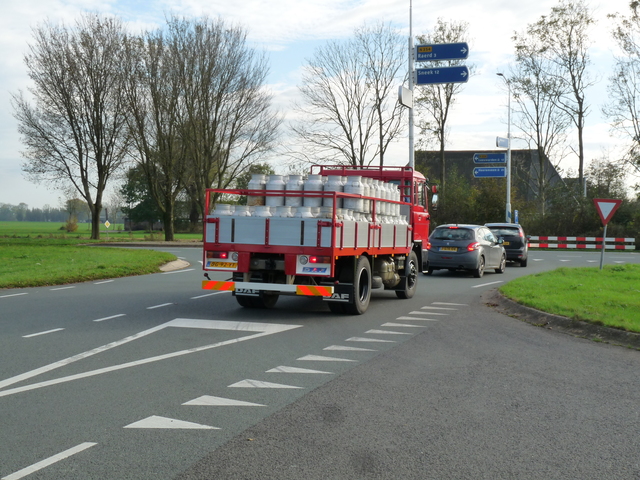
(606, 208)
(435, 76)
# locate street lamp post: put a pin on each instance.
(508, 206)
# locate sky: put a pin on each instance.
(290, 30)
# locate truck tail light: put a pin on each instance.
(221, 255)
(315, 259)
(473, 246)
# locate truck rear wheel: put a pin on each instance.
(361, 292)
(411, 274)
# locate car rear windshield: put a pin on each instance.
(505, 231)
(452, 234)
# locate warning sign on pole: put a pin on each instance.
(606, 208)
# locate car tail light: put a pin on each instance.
(473, 246)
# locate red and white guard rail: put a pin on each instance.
(611, 243)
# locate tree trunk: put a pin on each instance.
(167, 218)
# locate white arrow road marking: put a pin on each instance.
(209, 401)
(348, 349)
(163, 422)
(49, 461)
(283, 369)
(389, 324)
(261, 329)
(363, 339)
(43, 333)
(387, 332)
(259, 384)
(320, 358)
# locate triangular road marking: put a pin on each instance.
(259, 384)
(425, 319)
(320, 358)
(348, 349)
(283, 369)
(430, 313)
(164, 422)
(363, 339)
(209, 401)
(389, 324)
(387, 332)
(438, 308)
(453, 304)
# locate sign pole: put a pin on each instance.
(604, 241)
(411, 148)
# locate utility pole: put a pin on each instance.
(508, 203)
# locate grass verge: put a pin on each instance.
(609, 297)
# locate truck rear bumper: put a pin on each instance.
(253, 288)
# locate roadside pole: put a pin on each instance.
(606, 208)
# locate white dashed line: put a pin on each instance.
(43, 333)
(487, 284)
(61, 288)
(111, 317)
(450, 304)
(49, 461)
(159, 306)
(103, 282)
(179, 271)
(13, 295)
(207, 295)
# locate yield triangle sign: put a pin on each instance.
(606, 208)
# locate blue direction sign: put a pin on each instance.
(490, 157)
(502, 142)
(490, 172)
(441, 51)
(434, 76)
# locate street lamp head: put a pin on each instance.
(500, 74)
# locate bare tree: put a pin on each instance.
(433, 103)
(229, 122)
(623, 107)
(536, 88)
(562, 39)
(74, 132)
(349, 114)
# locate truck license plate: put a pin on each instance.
(222, 265)
(448, 249)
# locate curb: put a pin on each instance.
(577, 328)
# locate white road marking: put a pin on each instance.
(592, 261)
(159, 306)
(178, 271)
(565, 260)
(431, 313)
(208, 295)
(387, 332)
(390, 324)
(43, 333)
(283, 369)
(111, 317)
(105, 281)
(210, 401)
(452, 304)
(258, 384)
(14, 295)
(362, 339)
(422, 318)
(487, 284)
(163, 422)
(262, 330)
(538, 259)
(343, 348)
(320, 358)
(440, 308)
(49, 461)
(61, 288)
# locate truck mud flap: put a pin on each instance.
(341, 293)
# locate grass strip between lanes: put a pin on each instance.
(609, 297)
(39, 264)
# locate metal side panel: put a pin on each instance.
(249, 230)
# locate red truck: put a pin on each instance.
(341, 233)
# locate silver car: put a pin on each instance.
(465, 247)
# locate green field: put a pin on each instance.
(609, 297)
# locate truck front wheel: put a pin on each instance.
(361, 292)
(411, 274)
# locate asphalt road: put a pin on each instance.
(150, 377)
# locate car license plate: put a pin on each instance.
(448, 249)
(222, 265)
(506, 243)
